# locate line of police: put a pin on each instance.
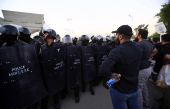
(33, 69)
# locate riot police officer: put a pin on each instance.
(108, 38)
(17, 90)
(74, 40)
(99, 40)
(43, 33)
(53, 58)
(101, 52)
(12, 38)
(111, 43)
(49, 39)
(73, 66)
(88, 62)
(36, 36)
(57, 40)
(25, 36)
(93, 40)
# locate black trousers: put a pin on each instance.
(76, 91)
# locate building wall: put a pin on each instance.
(32, 21)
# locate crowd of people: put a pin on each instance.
(32, 69)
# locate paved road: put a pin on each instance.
(101, 100)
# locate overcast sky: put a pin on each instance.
(89, 16)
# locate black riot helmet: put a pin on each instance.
(26, 31)
(36, 36)
(25, 34)
(74, 37)
(41, 33)
(94, 39)
(52, 34)
(85, 40)
(99, 39)
(84, 37)
(57, 38)
(9, 33)
(108, 38)
(113, 38)
(74, 40)
(67, 39)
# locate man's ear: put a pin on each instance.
(120, 37)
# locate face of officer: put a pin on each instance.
(50, 40)
(75, 41)
(37, 37)
(45, 35)
(67, 40)
(24, 37)
(100, 41)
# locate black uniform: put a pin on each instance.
(54, 73)
(88, 62)
(23, 83)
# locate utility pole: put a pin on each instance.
(69, 24)
(132, 20)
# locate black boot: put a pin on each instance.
(56, 99)
(92, 91)
(91, 87)
(77, 99)
(76, 94)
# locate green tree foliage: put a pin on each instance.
(133, 37)
(155, 35)
(164, 16)
(142, 26)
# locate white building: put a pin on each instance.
(34, 22)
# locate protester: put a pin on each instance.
(164, 59)
(123, 60)
(145, 69)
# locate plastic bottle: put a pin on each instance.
(112, 81)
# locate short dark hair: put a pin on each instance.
(143, 33)
(166, 37)
(156, 39)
